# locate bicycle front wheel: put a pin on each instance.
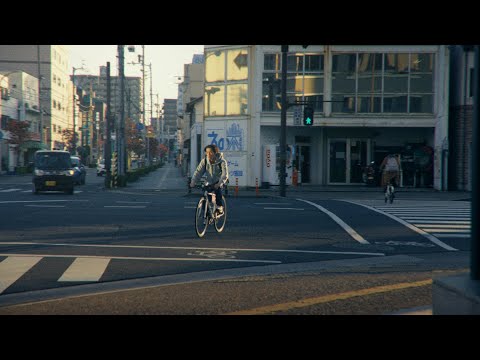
(201, 221)
(220, 220)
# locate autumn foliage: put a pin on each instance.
(19, 132)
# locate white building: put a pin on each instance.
(19, 102)
(368, 101)
(49, 64)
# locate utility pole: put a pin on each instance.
(73, 108)
(143, 85)
(151, 111)
(475, 231)
(108, 146)
(40, 94)
(283, 122)
(121, 132)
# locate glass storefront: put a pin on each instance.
(347, 159)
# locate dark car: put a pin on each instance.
(80, 171)
(53, 171)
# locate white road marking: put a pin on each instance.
(133, 202)
(274, 208)
(9, 190)
(35, 201)
(125, 206)
(451, 235)
(190, 248)
(189, 207)
(410, 226)
(13, 267)
(46, 206)
(26, 191)
(266, 203)
(144, 258)
(449, 226)
(85, 269)
(439, 221)
(441, 230)
(340, 222)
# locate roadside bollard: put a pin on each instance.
(236, 187)
(256, 186)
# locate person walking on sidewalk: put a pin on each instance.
(215, 167)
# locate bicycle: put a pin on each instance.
(389, 192)
(206, 214)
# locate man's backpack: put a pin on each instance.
(391, 164)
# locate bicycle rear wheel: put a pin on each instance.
(201, 221)
(222, 219)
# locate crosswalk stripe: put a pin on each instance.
(13, 267)
(9, 190)
(440, 220)
(451, 235)
(436, 220)
(85, 269)
(439, 230)
(450, 226)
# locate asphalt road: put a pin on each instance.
(345, 253)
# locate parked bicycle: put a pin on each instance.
(206, 212)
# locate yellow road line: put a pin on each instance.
(328, 298)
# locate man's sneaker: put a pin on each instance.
(219, 210)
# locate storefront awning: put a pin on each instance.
(30, 144)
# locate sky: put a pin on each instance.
(167, 64)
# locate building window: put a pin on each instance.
(344, 83)
(226, 88)
(5, 120)
(305, 80)
(382, 83)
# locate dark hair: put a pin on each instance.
(212, 147)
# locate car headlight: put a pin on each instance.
(68, 172)
(39, 172)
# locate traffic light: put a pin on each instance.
(308, 116)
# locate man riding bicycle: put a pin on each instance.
(214, 166)
(391, 170)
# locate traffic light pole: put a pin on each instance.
(283, 122)
(108, 137)
(475, 208)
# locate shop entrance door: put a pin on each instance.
(302, 160)
(347, 158)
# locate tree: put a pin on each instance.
(153, 148)
(19, 134)
(163, 150)
(134, 139)
(67, 138)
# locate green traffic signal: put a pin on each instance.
(308, 116)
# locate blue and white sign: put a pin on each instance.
(237, 164)
(227, 135)
(231, 138)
